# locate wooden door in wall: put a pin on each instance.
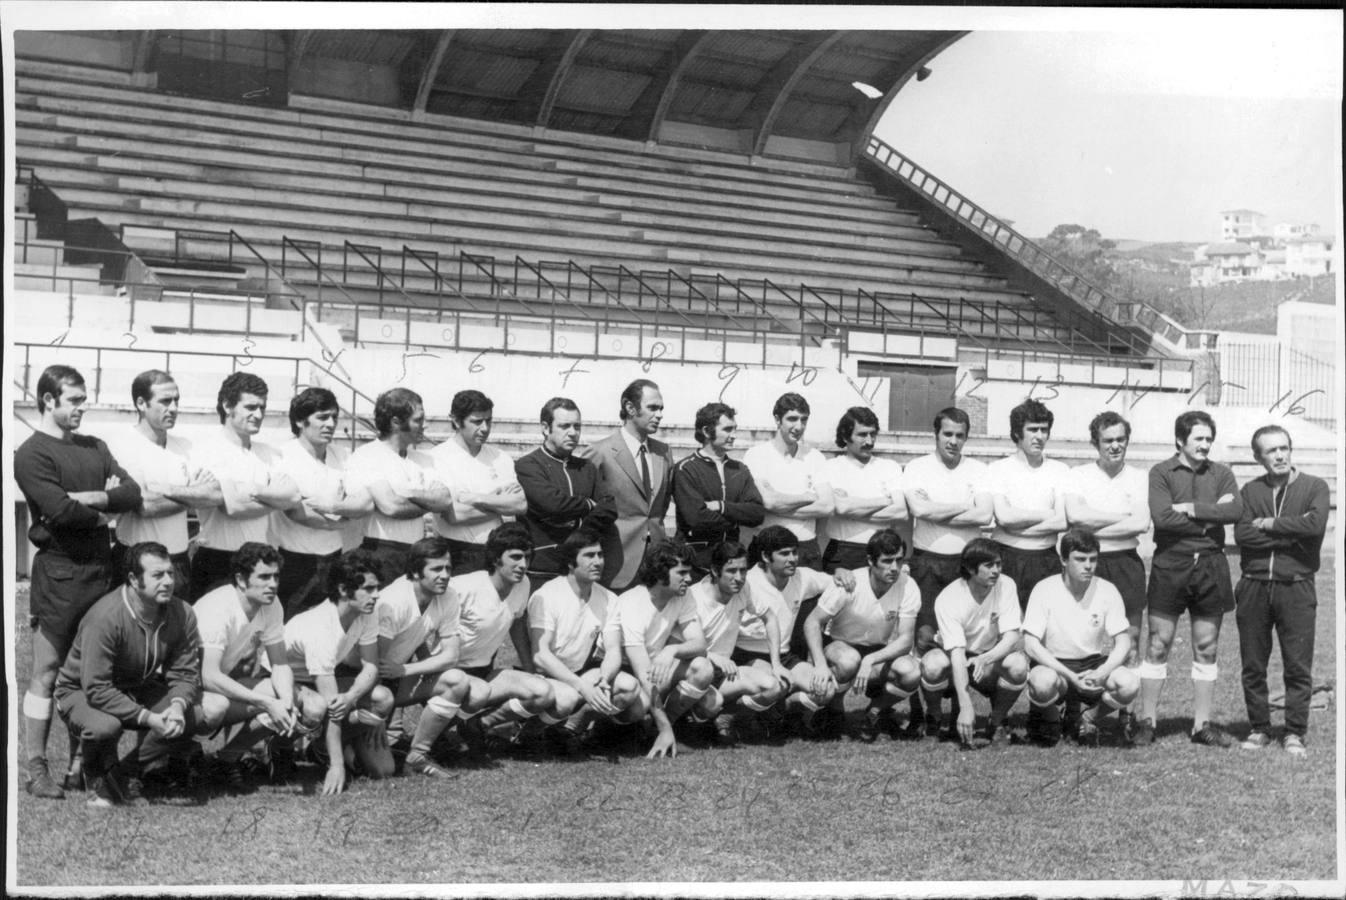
(915, 392)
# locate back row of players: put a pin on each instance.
(348, 635)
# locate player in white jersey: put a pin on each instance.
(309, 535)
(566, 616)
(333, 647)
(1110, 498)
(481, 478)
(866, 488)
(400, 479)
(791, 479)
(1026, 493)
(419, 649)
(662, 642)
(237, 621)
(979, 622)
(1071, 619)
(493, 603)
(720, 605)
(251, 486)
(871, 632)
(777, 582)
(160, 463)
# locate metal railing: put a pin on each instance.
(1030, 255)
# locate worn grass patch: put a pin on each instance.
(801, 811)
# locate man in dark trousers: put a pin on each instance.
(135, 663)
(561, 490)
(1280, 538)
(714, 493)
(70, 482)
(635, 469)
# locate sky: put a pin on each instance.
(1144, 131)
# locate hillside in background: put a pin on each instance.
(1158, 274)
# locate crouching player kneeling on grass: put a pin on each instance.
(1069, 620)
(566, 618)
(133, 664)
(978, 620)
(492, 603)
(663, 644)
(871, 632)
(234, 621)
(720, 604)
(333, 648)
(418, 616)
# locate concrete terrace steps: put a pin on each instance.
(118, 209)
(241, 123)
(95, 133)
(383, 121)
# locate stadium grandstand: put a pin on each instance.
(533, 212)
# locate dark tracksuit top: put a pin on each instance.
(696, 481)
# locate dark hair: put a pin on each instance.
(1103, 421)
(1078, 540)
(769, 540)
(465, 403)
(234, 386)
(1183, 425)
(306, 403)
(502, 539)
(634, 391)
(885, 542)
(724, 553)
(662, 559)
(576, 541)
(246, 558)
(551, 406)
(135, 566)
(396, 403)
(1265, 430)
(789, 402)
(424, 550)
(954, 415)
(142, 386)
(52, 380)
(348, 573)
(707, 417)
(976, 554)
(1029, 411)
(856, 415)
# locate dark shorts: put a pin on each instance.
(844, 555)
(303, 580)
(593, 661)
(809, 554)
(1083, 665)
(479, 671)
(466, 558)
(1027, 568)
(391, 556)
(61, 591)
(182, 571)
(875, 686)
(1127, 573)
(210, 569)
(932, 572)
(1185, 582)
(741, 657)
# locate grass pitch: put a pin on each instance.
(801, 811)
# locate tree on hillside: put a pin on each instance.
(1084, 250)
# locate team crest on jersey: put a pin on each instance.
(891, 615)
(1095, 620)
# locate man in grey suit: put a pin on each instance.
(635, 469)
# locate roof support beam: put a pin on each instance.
(655, 101)
(431, 71)
(775, 89)
(142, 51)
(537, 95)
(299, 41)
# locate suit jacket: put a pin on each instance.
(640, 516)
